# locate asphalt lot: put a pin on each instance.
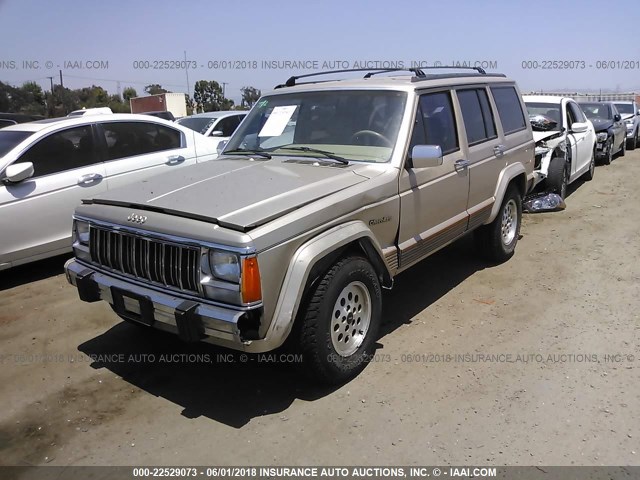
(533, 362)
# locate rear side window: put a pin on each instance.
(509, 109)
(438, 121)
(476, 113)
(127, 139)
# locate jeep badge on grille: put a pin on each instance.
(135, 218)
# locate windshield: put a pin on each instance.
(199, 124)
(9, 139)
(355, 124)
(549, 110)
(625, 108)
(597, 111)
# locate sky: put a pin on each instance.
(117, 44)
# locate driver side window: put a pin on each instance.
(65, 150)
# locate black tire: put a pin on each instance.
(588, 176)
(317, 343)
(490, 241)
(623, 148)
(557, 177)
(608, 154)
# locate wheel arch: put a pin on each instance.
(514, 174)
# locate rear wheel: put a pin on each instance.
(633, 143)
(340, 325)
(497, 241)
(557, 177)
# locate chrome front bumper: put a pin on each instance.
(190, 319)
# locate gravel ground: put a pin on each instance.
(533, 362)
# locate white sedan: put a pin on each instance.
(47, 167)
(565, 142)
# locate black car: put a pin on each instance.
(162, 114)
(7, 119)
(611, 133)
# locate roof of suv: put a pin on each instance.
(396, 82)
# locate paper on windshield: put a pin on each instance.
(277, 121)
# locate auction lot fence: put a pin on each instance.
(596, 97)
(328, 473)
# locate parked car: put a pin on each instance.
(7, 119)
(217, 125)
(297, 240)
(611, 133)
(565, 142)
(91, 111)
(631, 118)
(164, 114)
(48, 167)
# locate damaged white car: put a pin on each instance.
(565, 142)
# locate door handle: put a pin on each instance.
(498, 150)
(461, 164)
(175, 159)
(89, 178)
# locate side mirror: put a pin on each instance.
(617, 117)
(425, 156)
(221, 146)
(18, 172)
(216, 133)
(579, 127)
(638, 113)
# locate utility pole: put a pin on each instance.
(61, 84)
(186, 71)
(51, 80)
(224, 84)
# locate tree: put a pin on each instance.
(250, 95)
(155, 89)
(208, 95)
(129, 93)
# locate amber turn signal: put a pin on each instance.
(251, 289)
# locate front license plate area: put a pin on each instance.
(133, 306)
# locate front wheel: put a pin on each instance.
(557, 177)
(608, 154)
(623, 148)
(497, 241)
(340, 325)
(592, 167)
(633, 143)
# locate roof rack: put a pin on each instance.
(418, 72)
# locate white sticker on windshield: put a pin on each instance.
(277, 121)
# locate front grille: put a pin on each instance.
(145, 258)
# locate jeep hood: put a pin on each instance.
(240, 194)
(538, 136)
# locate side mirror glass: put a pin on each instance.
(216, 133)
(221, 146)
(18, 172)
(425, 156)
(579, 127)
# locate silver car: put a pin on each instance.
(47, 167)
(631, 117)
(218, 125)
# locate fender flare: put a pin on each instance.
(301, 265)
(506, 176)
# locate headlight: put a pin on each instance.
(81, 240)
(629, 122)
(82, 232)
(225, 266)
(602, 136)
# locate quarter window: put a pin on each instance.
(476, 113)
(60, 151)
(509, 108)
(577, 112)
(127, 139)
(227, 125)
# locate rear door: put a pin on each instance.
(483, 140)
(433, 201)
(137, 150)
(35, 214)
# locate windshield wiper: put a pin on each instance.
(242, 151)
(330, 155)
